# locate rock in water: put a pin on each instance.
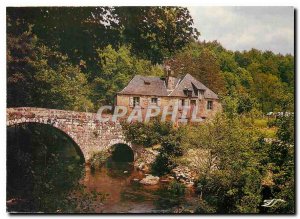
(150, 180)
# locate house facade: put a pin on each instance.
(144, 91)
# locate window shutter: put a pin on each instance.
(158, 101)
(130, 101)
(149, 100)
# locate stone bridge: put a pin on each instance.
(83, 128)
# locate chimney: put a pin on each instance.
(169, 79)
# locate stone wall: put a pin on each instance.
(88, 133)
(123, 100)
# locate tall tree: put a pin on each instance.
(118, 66)
(156, 32)
(38, 76)
(75, 31)
(202, 64)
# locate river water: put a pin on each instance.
(42, 166)
(124, 192)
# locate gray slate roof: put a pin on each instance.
(191, 83)
(156, 86)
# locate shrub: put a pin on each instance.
(170, 149)
(98, 159)
(163, 164)
(171, 196)
(146, 134)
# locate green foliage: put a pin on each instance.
(154, 32)
(48, 46)
(231, 183)
(147, 134)
(201, 63)
(74, 31)
(204, 208)
(242, 166)
(171, 196)
(98, 159)
(157, 32)
(61, 50)
(286, 132)
(163, 164)
(253, 79)
(40, 77)
(118, 67)
(156, 132)
(281, 158)
(169, 150)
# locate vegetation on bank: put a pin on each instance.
(240, 169)
(98, 159)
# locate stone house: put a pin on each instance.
(144, 91)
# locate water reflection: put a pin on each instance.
(119, 180)
(45, 173)
(43, 166)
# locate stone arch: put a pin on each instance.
(82, 127)
(76, 146)
(122, 152)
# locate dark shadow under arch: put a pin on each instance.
(75, 145)
(122, 153)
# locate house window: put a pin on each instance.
(182, 102)
(193, 102)
(154, 100)
(209, 105)
(136, 101)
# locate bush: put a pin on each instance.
(169, 150)
(272, 122)
(98, 159)
(162, 165)
(146, 134)
(171, 196)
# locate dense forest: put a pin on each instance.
(78, 58)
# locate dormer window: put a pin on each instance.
(187, 92)
(200, 94)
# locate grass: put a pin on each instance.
(262, 125)
(269, 132)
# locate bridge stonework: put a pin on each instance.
(85, 130)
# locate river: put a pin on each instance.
(120, 181)
(43, 168)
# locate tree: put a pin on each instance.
(40, 77)
(281, 159)
(156, 32)
(153, 32)
(232, 183)
(74, 31)
(118, 67)
(20, 80)
(269, 90)
(200, 63)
